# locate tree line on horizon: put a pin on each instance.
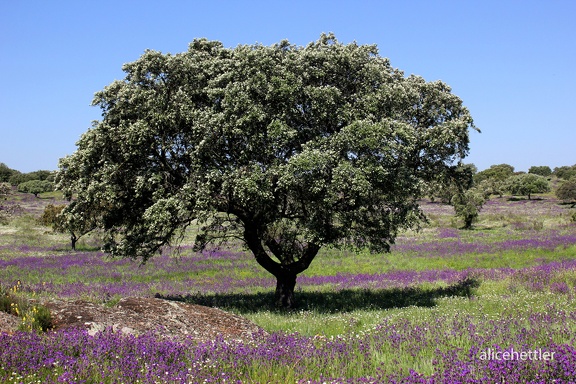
(497, 179)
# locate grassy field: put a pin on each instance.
(446, 305)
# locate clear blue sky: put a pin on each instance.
(513, 63)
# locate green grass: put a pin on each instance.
(334, 262)
(491, 299)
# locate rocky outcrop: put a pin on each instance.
(137, 315)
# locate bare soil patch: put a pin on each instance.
(8, 323)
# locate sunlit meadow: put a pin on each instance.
(445, 306)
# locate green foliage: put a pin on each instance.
(492, 181)
(287, 148)
(37, 318)
(491, 187)
(445, 188)
(565, 172)
(567, 191)
(467, 205)
(542, 170)
(17, 178)
(42, 175)
(36, 187)
(499, 172)
(5, 190)
(5, 172)
(527, 184)
(34, 317)
(65, 222)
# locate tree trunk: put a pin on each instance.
(285, 273)
(285, 284)
(73, 240)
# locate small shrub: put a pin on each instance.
(467, 205)
(9, 302)
(50, 217)
(5, 303)
(567, 192)
(5, 190)
(34, 318)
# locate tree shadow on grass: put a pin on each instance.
(520, 198)
(346, 300)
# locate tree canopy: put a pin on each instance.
(497, 172)
(565, 172)
(542, 170)
(36, 187)
(5, 172)
(284, 147)
(527, 184)
(492, 181)
(567, 191)
(445, 188)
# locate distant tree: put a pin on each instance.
(492, 180)
(542, 170)
(18, 177)
(527, 184)
(285, 148)
(565, 172)
(444, 188)
(499, 172)
(5, 172)
(36, 187)
(467, 205)
(42, 175)
(567, 191)
(53, 216)
(491, 187)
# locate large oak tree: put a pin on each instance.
(287, 148)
